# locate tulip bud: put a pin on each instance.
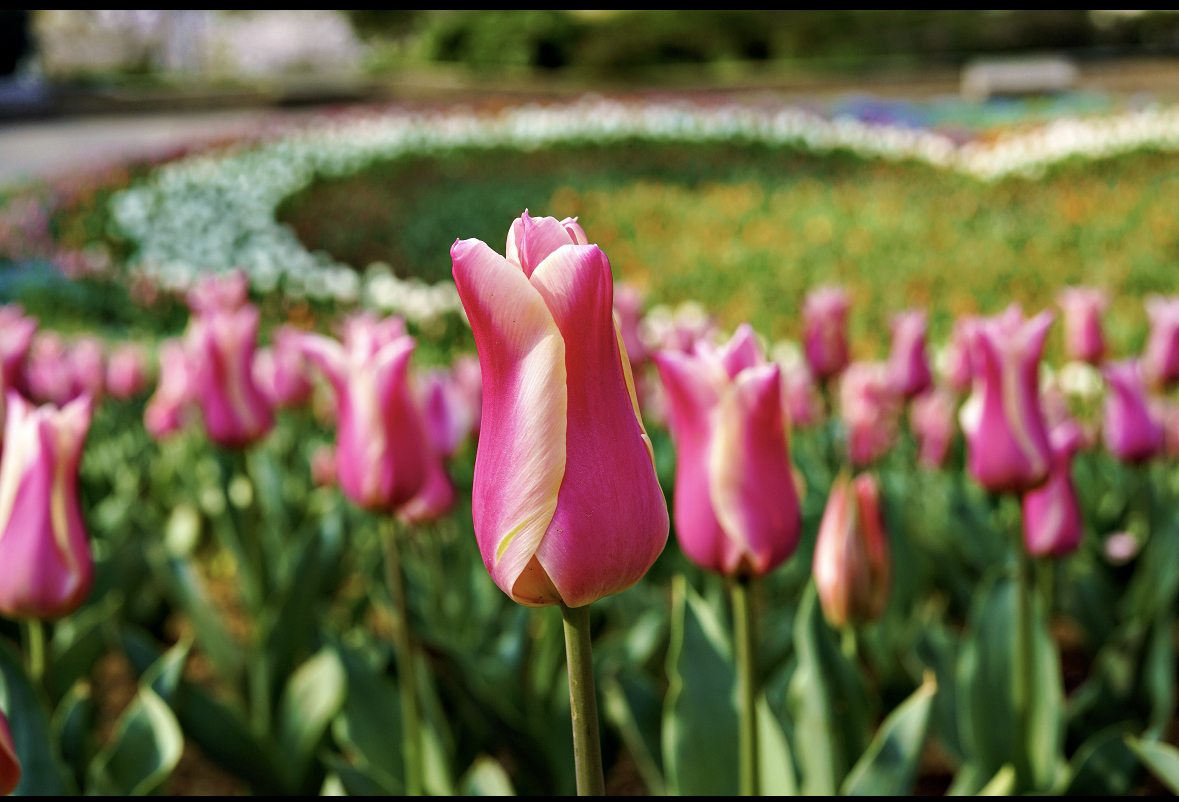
(467, 381)
(1130, 431)
(566, 504)
(87, 368)
(43, 544)
(1006, 438)
(852, 565)
(9, 762)
(908, 367)
(933, 419)
(959, 364)
(381, 450)
(1051, 515)
(168, 409)
(442, 413)
(1082, 323)
(824, 317)
(125, 373)
(628, 309)
(870, 408)
(16, 335)
(281, 372)
(1160, 360)
(736, 506)
(49, 375)
(220, 347)
(802, 400)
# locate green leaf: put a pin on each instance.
(41, 770)
(632, 705)
(1103, 764)
(1161, 759)
(145, 747)
(968, 781)
(486, 777)
(1158, 672)
(73, 727)
(78, 641)
(700, 713)
(312, 698)
(1002, 784)
(775, 764)
(368, 727)
(889, 767)
(828, 701)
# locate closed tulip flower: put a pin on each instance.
(49, 375)
(824, 320)
(566, 504)
(467, 380)
(736, 506)
(443, 412)
(43, 545)
(16, 335)
(381, 449)
(908, 365)
(933, 419)
(1131, 432)
(800, 395)
(852, 565)
(434, 499)
(628, 308)
(126, 375)
(1082, 308)
(281, 372)
(1160, 360)
(959, 360)
(870, 407)
(1007, 441)
(9, 762)
(1052, 523)
(88, 366)
(169, 408)
(220, 346)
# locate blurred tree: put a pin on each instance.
(532, 38)
(14, 39)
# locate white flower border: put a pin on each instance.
(215, 213)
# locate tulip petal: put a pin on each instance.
(741, 351)
(611, 518)
(693, 388)
(522, 443)
(532, 239)
(753, 493)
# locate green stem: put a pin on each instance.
(34, 632)
(411, 734)
(1022, 675)
(258, 675)
(743, 631)
(583, 702)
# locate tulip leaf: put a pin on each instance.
(632, 705)
(1161, 759)
(889, 766)
(1158, 672)
(368, 727)
(144, 748)
(486, 777)
(775, 763)
(78, 642)
(1103, 764)
(986, 672)
(353, 781)
(1002, 784)
(311, 699)
(700, 713)
(73, 727)
(41, 769)
(828, 700)
(289, 620)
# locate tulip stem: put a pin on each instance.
(1022, 676)
(411, 734)
(743, 631)
(35, 645)
(583, 702)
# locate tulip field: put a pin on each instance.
(627, 447)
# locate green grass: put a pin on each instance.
(748, 229)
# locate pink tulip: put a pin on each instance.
(281, 372)
(852, 565)
(16, 335)
(960, 362)
(43, 544)
(169, 408)
(381, 452)
(1052, 523)
(824, 318)
(1169, 415)
(870, 407)
(49, 375)
(435, 498)
(1006, 438)
(467, 381)
(1082, 323)
(628, 311)
(9, 762)
(908, 366)
(88, 367)
(1160, 360)
(220, 346)
(220, 292)
(802, 399)
(933, 419)
(125, 372)
(1130, 430)
(323, 466)
(566, 504)
(736, 506)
